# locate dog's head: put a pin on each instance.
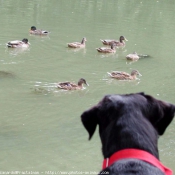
(112, 107)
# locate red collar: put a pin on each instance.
(136, 154)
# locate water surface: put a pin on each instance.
(40, 125)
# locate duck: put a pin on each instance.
(135, 56)
(107, 50)
(132, 56)
(35, 31)
(119, 75)
(117, 43)
(72, 86)
(18, 43)
(78, 44)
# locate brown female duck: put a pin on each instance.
(72, 86)
(124, 76)
(107, 50)
(35, 31)
(121, 41)
(78, 44)
(18, 43)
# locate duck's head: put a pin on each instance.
(135, 53)
(82, 81)
(135, 72)
(83, 40)
(113, 45)
(25, 40)
(33, 28)
(122, 38)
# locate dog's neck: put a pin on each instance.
(134, 137)
(136, 154)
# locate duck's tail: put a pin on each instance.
(46, 32)
(144, 56)
(98, 49)
(9, 45)
(109, 74)
(58, 86)
(104, 42)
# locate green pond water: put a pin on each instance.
(41, 128)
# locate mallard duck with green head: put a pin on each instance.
(35, 31)
(18, 43)
(119, 75)
(72, 86)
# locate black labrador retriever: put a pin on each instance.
(129, 127)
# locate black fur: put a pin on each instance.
(129, 121)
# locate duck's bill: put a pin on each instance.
(29, 43)
(87, 84)
(126, 39)
(140, 75)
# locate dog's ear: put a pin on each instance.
(165, 120)
(89, 120)
(160, 112)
